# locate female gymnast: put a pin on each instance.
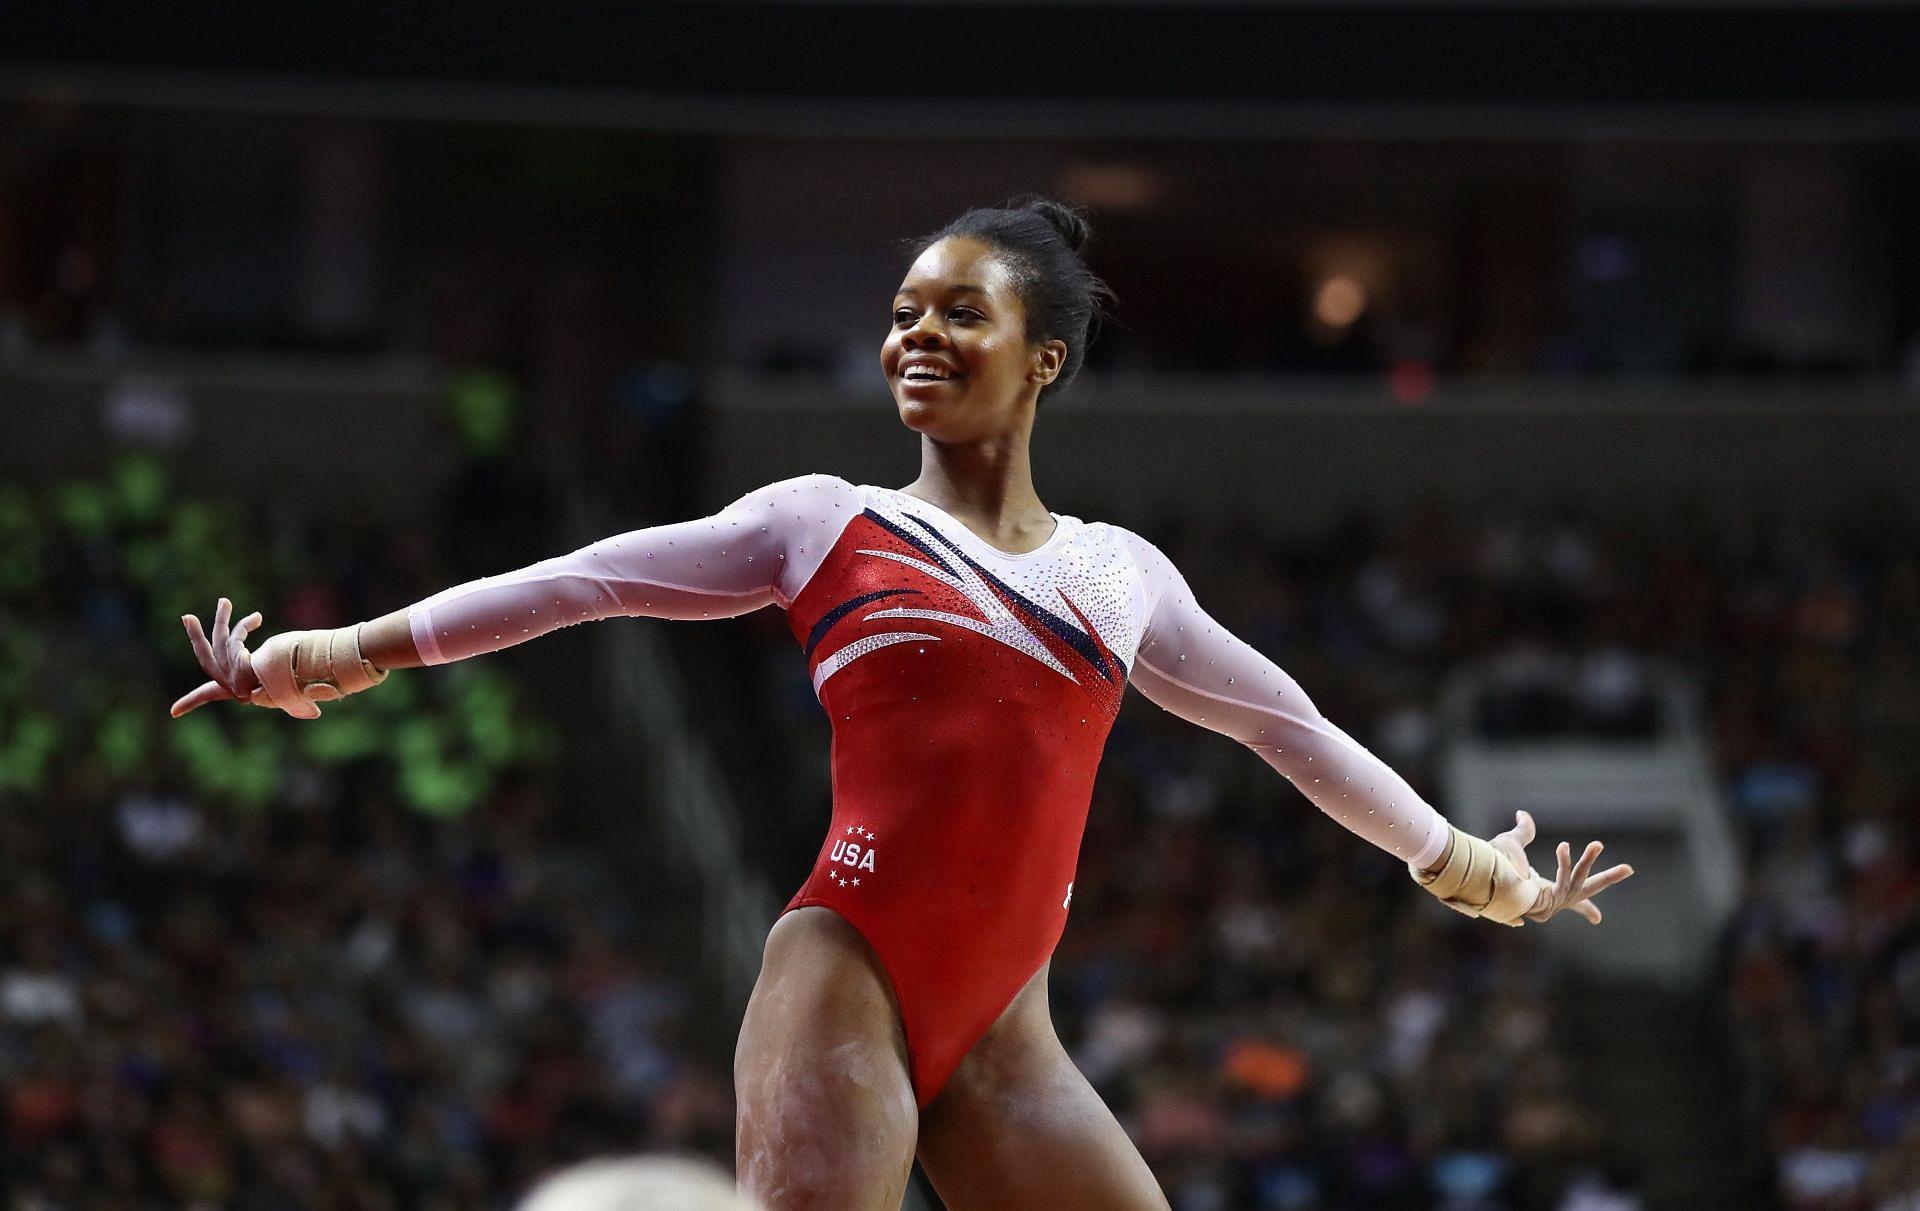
(971, 649)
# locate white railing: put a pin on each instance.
(648, 701)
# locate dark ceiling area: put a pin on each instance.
(1850, 57)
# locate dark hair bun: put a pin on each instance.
(1070, 223)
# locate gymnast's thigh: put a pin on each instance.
(1019, 1127)
(826, 1112)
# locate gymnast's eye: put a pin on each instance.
(903, 316)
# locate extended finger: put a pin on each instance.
(222, 614)
(1589, 910)
(212, 691)
(1605, 879)
(1554, 893)
(1586, 861)
(239, 665)
(202, 650)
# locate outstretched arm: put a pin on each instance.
(757, 551)
(1191, 665)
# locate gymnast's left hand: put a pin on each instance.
(1573, 885)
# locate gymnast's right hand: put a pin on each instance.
(224, 659)
(294, 671)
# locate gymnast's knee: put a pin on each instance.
(811, 1127)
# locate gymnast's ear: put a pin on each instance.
(1048, 358)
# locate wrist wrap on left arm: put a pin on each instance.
(1479, 881)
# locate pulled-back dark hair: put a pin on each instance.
(1040, 239)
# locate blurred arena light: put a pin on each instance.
(1339, 302)
(1112, 187)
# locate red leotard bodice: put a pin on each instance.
(970, 693)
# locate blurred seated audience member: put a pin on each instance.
(639, 1183)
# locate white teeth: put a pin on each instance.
(925, 374)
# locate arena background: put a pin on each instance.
(1538, 383)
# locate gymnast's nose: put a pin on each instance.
(923, 335)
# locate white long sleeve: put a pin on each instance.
(1191, 665)
(760, 550)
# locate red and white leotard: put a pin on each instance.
(970, 692)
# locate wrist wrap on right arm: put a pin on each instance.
(300, 668)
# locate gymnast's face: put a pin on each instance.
(957, 356)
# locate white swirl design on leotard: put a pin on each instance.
(998, 622)
(830, 665)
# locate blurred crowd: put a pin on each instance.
(1281, 1026)
(250, 964)
(96, 572)
(339, 1003)
(1271, 1050)
(1816, 722)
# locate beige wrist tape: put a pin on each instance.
(1479, 881)
(303, 667)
